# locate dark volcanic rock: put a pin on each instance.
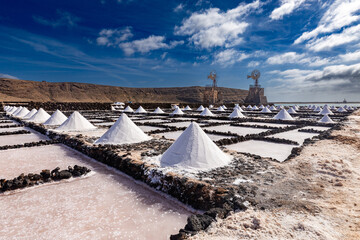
(198, 222)
(64, 174)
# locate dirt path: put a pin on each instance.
(317, 198)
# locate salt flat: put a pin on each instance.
(268, 124)
(295, 135)
(242, 131)
(149, 128)
(176, 134)
(21, 138)
(264, 149)
(104, 205)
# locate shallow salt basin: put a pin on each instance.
(150, 128)
(181, 124)
(21, 138)
(317, 128)
(9, 123)
(268, 124)
(277, 151)
(242, 131)
(103, 205)
(104, 124)
(13, 129)
(295, 135)
(176, 134)
(152, 120)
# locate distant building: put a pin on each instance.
(256, 93)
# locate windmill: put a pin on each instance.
(255, 75)
(211, 94)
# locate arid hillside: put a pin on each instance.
(23, 90)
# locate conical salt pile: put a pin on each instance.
(40, 116)
(341, 109)
(187, 108)
(206, 112)
(140, 110)
(273, 108)
(254, 108)
(326, 119)
(266, 110)
(325, 111)
(211, 106)
(124, 131)
(128, 109)
(177, 111)
(291, 110)
(261, 107)
(17, 111)
(318, 109)
(283, 115)
(30, 114)
(76, 122)
(249, 107)
(236, 114)
(236, 105)
(22, 113)
(220, 109)
(200, 109)
(158, 110)
(238, 108)
(224, 107)
(194, 150)
(57, 118)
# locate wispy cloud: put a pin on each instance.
(179, 8)
(286, 8)
(296, 58)
(229, 57)
(64, 19)
(214, 28)
(113, 37)
(3, 75)
(148, 44)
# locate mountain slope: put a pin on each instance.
(23, 90)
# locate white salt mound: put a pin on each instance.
(76, 122)
(273, 108)
(187, 108)
(128, 109)
(283, 115)
(220, 109)
(57, 118)
(265, 110)
(24, 111)
(291, 110)
(325, 111)
(206, 112)
(40, 116)
(200, 109)
(123, 131)
(194, 150)
(177, 111)
(140, 110)
(236, 114)
(158, 110)
(254, 108)
(341, 109)
(17, 111)
(326, 119)
(30, 114)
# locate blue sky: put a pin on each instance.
(306, 50)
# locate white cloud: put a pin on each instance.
(229, 56)
(348, 35)
(286, 7)
(341, 13)
(179, 8)
(3, 75)
(253, 64)
(113, 37)
(295, 58)
(64, 19)
(350, 57)
(148, 44)
(213, 28)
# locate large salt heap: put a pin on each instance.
(124, 131)
(140, 110)
(325, 111)
(206, 113)
(194, 150)
(187, 108)
(40, 116)
(283, 115)
(236, 114)
(177, 111)
(265, 110)
(30, 114)
(57, 118)
(158, 110)
(17, 111)
(76, 122)
(24, 111)
(128, 109)
(200, 109)
(326, 119)
(292, 110)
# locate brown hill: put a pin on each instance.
(23, 90)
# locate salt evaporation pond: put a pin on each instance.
(103, 205)
(21, 139)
